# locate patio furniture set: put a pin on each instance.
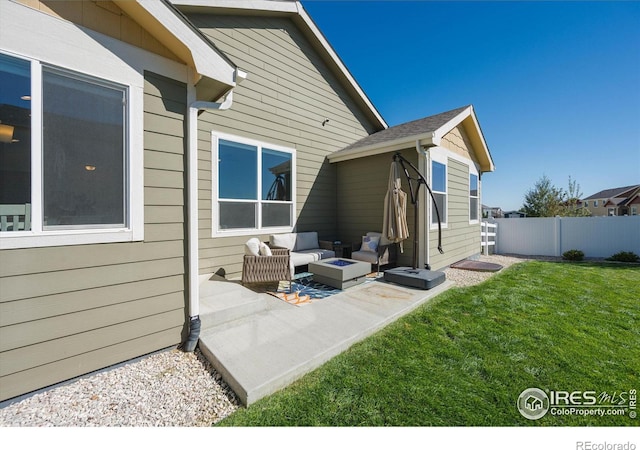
(334, 263)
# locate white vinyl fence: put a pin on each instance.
(597, 237)
(488, 237)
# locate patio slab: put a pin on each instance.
(265, 351)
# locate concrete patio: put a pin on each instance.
(261, 344)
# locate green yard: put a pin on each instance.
(464, 358)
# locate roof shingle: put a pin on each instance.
(406, 130)
(608, 193)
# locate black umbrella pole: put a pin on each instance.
(414, 200)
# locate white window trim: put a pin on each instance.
(98, 62)
(29, 34)
(215, 230)
(134, 230)
(439, 155)
(472, 171)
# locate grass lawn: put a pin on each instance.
(464, 358)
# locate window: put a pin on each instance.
(586, 203)
(634, 210)
(254, 185)
(439, 188)
(473, 197)
(15, 143)
(83, 152)
(595, 203)
(64, 157)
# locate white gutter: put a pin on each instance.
(192, 203)
(426, 139)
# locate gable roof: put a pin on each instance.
(614, 192)
(293, 10)
(408, 130)
(428, 131)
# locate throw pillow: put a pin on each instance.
(265, 250)
(370, 243)
(252, 247)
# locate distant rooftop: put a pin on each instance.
(614, 192)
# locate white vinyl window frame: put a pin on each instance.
(216, 230)
(38, 235)
(474, 173)
(99, 64)
(439, 156)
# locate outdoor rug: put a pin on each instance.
(304, 290)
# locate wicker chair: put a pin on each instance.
(262, 269)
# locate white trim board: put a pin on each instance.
(29, 34)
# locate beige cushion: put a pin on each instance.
(286, 240)
(265, 250)
(370, 257)
(252, 247)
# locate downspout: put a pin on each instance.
(192, 200)
(427, 222)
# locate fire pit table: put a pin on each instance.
(340, 273)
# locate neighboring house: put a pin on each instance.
(514, 215)
(494, 212)
(218, 121)
(450, 151)
(622, 201)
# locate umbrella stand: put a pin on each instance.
(414, 187)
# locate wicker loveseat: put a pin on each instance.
(262, 264)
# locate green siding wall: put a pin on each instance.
(67, 311)
(362, 185)
(287, 95)
(460, 239)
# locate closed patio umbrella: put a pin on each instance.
(394, 226)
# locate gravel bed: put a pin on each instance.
(469, 277)
(170, 388)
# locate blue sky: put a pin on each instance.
(555, 85)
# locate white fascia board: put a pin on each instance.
(492, 167)
(254, 5)
(208, 62)
(425, 140)
(457, 120)
(451, 124)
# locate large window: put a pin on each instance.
(15, 144)
(473, 197)
(64, 154)
(439, 188)
(83, 152)
(254, 186)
